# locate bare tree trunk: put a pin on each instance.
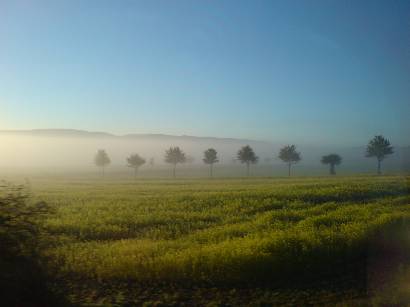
(379, 169)
(289, 164)
(247, 169)
(332, 169)
(211, 170)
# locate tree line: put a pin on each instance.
(379, 147)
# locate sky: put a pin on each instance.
(313, 72)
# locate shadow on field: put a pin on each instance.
(388, 265)
(369, 267)
(375, 274)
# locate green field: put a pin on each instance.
(311, 240)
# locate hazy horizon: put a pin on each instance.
(63, 150)
(73, 131)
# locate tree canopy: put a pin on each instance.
(379, 147)
(135, 161)
(289, 155)
(332, 160)
(247, 156)
(210, 156)
(102, 159)
(174, 155)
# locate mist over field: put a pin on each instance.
(204, 153)
(74, 150)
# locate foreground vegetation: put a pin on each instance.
(129, 240)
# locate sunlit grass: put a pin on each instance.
(217, 231)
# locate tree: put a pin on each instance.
(174, 155)
(102, 160)
(332, 160)
(152, 162)
(135, 161)
(289, 155)
(379, 147)
(247, 156)
(23, 235)
(210, 157)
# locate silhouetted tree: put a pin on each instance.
(247, 156)
(379, 147)
(332, 160)
(174, 155)
(102, 160)
(289, 155)
(24, 279)
(135, 161)
(210, 157)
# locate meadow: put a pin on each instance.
(229, 241)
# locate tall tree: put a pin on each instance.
(289, 155)
(379, 147)
(174, 155)
(102, 159)
(135, 161)
(247, 156)
(210, 157)
(332, 160)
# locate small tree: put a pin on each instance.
(379, 147)
(101, 159)
(174, 155)
(23, 233)
(210, 157)
(247, 156)
(135, 161)
(332, 160)
(289, 155)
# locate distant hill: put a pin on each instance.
(56, 133)
(84, 133)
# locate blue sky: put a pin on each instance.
(334, 72)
